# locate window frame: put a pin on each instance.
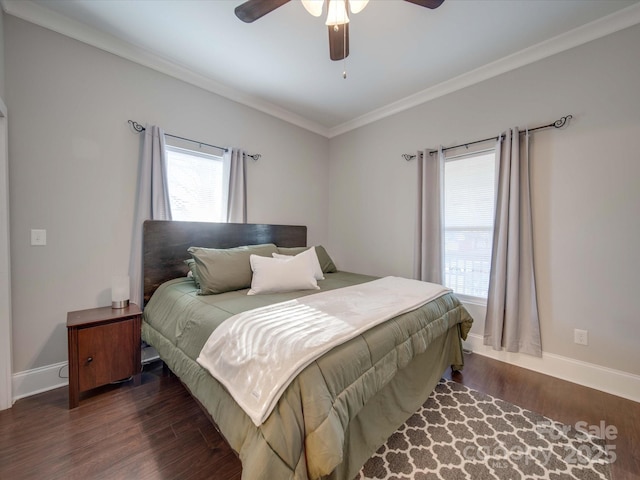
(206, 156)
(481, 301)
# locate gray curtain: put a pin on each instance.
(512, 310)
(237, 197)
(428, 245)
(152, 202)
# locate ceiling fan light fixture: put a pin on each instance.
(314, 7)
(356, 6)
(337, 17)
(337, 13)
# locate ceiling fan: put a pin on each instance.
(337, 17)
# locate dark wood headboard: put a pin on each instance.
(165, 243)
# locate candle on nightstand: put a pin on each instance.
(120, 291)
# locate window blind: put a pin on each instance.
(195, 181)
(469, 203)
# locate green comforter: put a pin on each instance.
(306, 434)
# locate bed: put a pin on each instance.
(340, 408)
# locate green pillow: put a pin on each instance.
(326, 263)
(191, 263)
(225, 269)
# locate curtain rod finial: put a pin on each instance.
(562, 121)
(136, 126)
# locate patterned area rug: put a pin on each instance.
(462, 434)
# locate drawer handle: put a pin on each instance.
(90, 359)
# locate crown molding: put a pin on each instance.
(627, 17)
(42, 16)
(34, 13)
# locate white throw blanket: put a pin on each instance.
(256, 354)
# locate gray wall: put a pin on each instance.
(585, 189)
(5, 264)
(73, 161)
(2, 17)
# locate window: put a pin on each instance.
(197, 186)
(469, 204)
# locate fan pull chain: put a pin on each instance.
(344, 50)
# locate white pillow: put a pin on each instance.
(312, 257)
(273, 275)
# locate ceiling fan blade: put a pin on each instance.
(427, 3)
(252, 10)
(338, 41)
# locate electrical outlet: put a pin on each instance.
(581, 337)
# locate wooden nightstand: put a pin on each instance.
(104, 346)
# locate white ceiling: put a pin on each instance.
(401, 54)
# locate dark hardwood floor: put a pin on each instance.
(157, 431)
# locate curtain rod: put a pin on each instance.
(139, 128)
(557, 124)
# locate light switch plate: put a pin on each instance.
(38, 237)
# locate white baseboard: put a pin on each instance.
(615, 382)
(42, 379)
(39, 380)
(609, 380)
